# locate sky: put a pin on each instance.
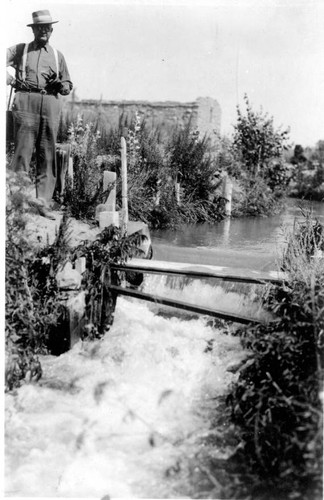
(271, 50)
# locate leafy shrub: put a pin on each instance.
(86, 193)
(277, 175)
(257, 199)
(31, 308)
(256, 141)
(192, 163)
(111, 246)
(308, 184)
(154, 165)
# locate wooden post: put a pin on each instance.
(227, 225)
(110, 178)
(124, 184)
(227, 193)
(177, 193)
(106, 213)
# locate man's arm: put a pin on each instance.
(11, 61)
(14, 55)
(66, 84)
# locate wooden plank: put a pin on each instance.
(237, 318)
(201, 271)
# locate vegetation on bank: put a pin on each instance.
(178, 177)
(36, 314)
(277, 401)
(275, 404)
(307, 172)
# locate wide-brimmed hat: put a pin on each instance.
(41, 17)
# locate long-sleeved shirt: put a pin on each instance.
(40, 65)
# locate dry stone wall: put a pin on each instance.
(203, 114)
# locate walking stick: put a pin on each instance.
(9, 120)
(11, 88)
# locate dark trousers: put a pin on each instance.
(36, 121)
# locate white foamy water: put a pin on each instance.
(210, 293)
(112, 417)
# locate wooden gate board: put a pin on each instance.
(204, 271)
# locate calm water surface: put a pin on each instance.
(251, 242)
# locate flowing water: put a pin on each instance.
(249, 242)
(127, 416)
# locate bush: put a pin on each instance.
(31, 308)
(111, 246)
(257, 162)
(256, 141)
(257, 199)
(154, 165)
(192, 163)
(86, 193)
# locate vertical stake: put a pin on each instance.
(124, 183)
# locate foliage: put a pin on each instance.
(153, 162)
(304, 244)
(277, 175)
(192, 163)
(258, 199)
(256, 140)
(153, 170)
(298, 156)
(34, 309)
(226, 159)
(308, 184)
(145, 163)
(256, 160)
(111, 246)
(31, 308)
(156, 163)
(307, 180)
(276, 400)
(86, 192)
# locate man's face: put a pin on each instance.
(42, 33)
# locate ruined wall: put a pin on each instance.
(203, 114)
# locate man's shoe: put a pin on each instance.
(46, 213)
(54, 205)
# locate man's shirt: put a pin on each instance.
(40, 65)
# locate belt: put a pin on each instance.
(35, 91)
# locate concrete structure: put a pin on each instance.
(203, 114)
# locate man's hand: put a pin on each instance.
(65, 88)
(19, 84)
(54, 86)
(10, 79)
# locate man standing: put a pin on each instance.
(40, 75)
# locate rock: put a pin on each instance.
(68, 278)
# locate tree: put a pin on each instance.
(298, 156)
(256, 141)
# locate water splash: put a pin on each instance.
(112, 417)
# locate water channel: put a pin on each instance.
(247, 242)
(127, 416)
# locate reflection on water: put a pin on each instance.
(253, 233)
(233, 242)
